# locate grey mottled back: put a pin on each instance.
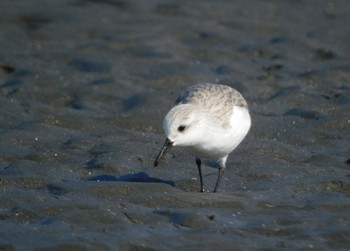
(218, 99)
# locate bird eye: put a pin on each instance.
(181, 128)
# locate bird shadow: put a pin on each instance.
(140, 177)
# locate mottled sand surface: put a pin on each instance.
(84, 86)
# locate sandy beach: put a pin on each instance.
(84, 87)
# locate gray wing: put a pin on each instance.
(218, 99)
(201, 93)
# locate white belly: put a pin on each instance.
(217, 144)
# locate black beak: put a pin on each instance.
(167, 145)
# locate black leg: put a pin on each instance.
(221, 172)
(199, 163)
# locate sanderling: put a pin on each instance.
(210, 120)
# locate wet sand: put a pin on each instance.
(84, 86)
